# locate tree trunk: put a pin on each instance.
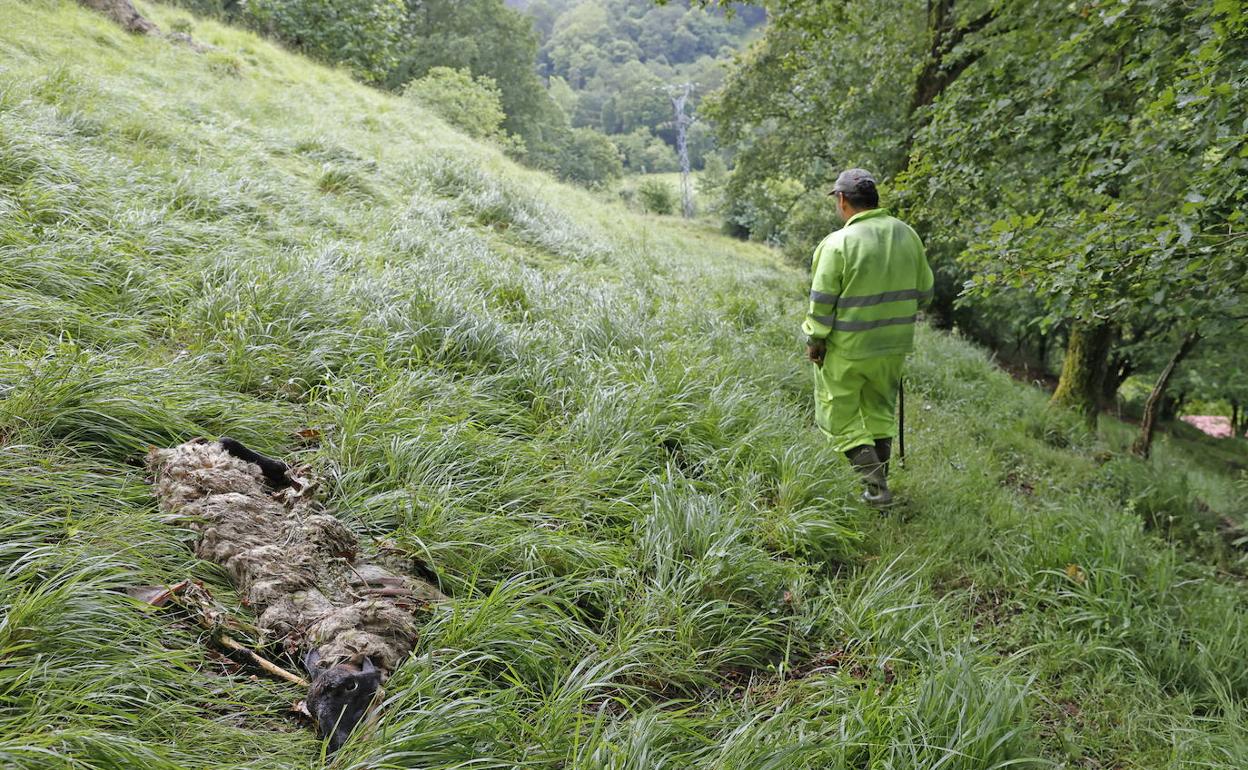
(1170, 405)
(1144, 442)
(1042, 350)
(944, 34)
(124, 13)
(1083, 370)
(1119, 370)
(1237, 419)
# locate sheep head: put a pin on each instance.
(340, 696)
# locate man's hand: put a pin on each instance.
(815, 350)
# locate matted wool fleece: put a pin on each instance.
(297, 567)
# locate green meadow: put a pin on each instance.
(595, 425)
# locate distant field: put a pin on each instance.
(595, 423)
(626, 188)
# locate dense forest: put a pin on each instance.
(610, 64)
(582, 86)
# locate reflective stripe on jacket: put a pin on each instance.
(870, 279)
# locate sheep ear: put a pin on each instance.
(367, 666)
(310, 660)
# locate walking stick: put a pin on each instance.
(901, 422)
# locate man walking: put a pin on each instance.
(870, 279)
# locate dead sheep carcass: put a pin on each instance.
(300, 569)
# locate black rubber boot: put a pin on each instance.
(867, 463)
(884, 450)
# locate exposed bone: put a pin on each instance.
(196, 600)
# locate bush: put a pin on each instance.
(810, 220)
(645, 153)
(761, 207)
(657, 197)
(712, 184)
(589, 158)
(473, 105)
(364, 35)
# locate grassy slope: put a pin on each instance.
(593, 423)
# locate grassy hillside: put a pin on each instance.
(595, 424)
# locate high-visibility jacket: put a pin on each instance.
(870, 279)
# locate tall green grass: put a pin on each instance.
(596, 428)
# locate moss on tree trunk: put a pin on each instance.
(1083, 369)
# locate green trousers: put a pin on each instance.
(855, 399)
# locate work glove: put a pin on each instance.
(816, 349)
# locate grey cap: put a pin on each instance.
(854, 181)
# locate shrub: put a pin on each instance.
(645, 153)
(813, 216)
(473, 105)
(657, 197)
(364, 35)
(761, 207)
(589, 158)
(712, 184)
